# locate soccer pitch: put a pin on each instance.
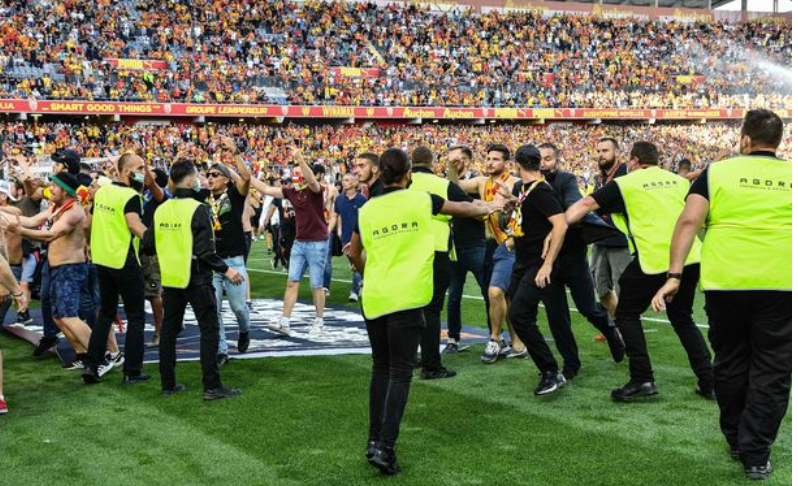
(303, 420)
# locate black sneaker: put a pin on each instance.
(133, 379)
(757, 473)
(90, 374)
(179, 387)
(371, 448)
(45, 343)
(550, 382)
(706, 391)
(451, 348)
(243, 342)
(633, 391)
(221, 393)
(384, 459)
(617, 346)
(437, 374)
(222, 360)
(24, 318)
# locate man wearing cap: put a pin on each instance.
(229, 192)
(631, 200)
(64, 231)
(310, 248)
(115, 232)
(183, 229)
(538, 215)
(66, 161)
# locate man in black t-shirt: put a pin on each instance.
(229, 192)
(539, 215)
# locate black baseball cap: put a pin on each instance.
(528, 156)
(69, 158)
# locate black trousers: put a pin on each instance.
(203, 302)
(394, 339)
(128, 283)
(751, 333)
(573, 271)
(523, 314)
(637, 290)
(431, 337)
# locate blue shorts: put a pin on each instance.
(503, 261)
(308, 255)
(67, 283)
(28, 269)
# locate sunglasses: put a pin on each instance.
(213, 175)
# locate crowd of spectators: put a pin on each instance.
(233, 51)
(268, 148)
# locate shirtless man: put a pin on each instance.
(10, 244)
(65, 232)
(499, 249)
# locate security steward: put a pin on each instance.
(574, 270)
(746, 203)
(425, 180)
(631, 200)
(394, 245)
(115, 232)
(183, 231)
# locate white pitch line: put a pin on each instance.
(472, 297)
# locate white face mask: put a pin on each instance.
(196, 186)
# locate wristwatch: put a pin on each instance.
(677, 276)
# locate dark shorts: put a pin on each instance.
(66, 285)
(151, 270)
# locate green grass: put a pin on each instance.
(303, 421)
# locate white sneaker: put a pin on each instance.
(104, 368)
(353, 297)
(282, 326)
(117, 359)
(326, 292)
(317, 328)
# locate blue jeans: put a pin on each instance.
(357, 281)
(50, 329)
(308, 255)
(236, 296)
(468, 260)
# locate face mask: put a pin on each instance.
(137, 181)
(197, 186)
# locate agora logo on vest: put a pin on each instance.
(170, 226)
(105, 207)
(660, 184)
(767, 184)
(394, 229)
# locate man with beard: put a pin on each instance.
(115, 232)
(574, 271)
(229, 192)
(469, 246)
(367, 170)
(610, 256)
(499, 251)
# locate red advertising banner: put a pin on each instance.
(353, 72)
(137, 64)
(360, 112)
